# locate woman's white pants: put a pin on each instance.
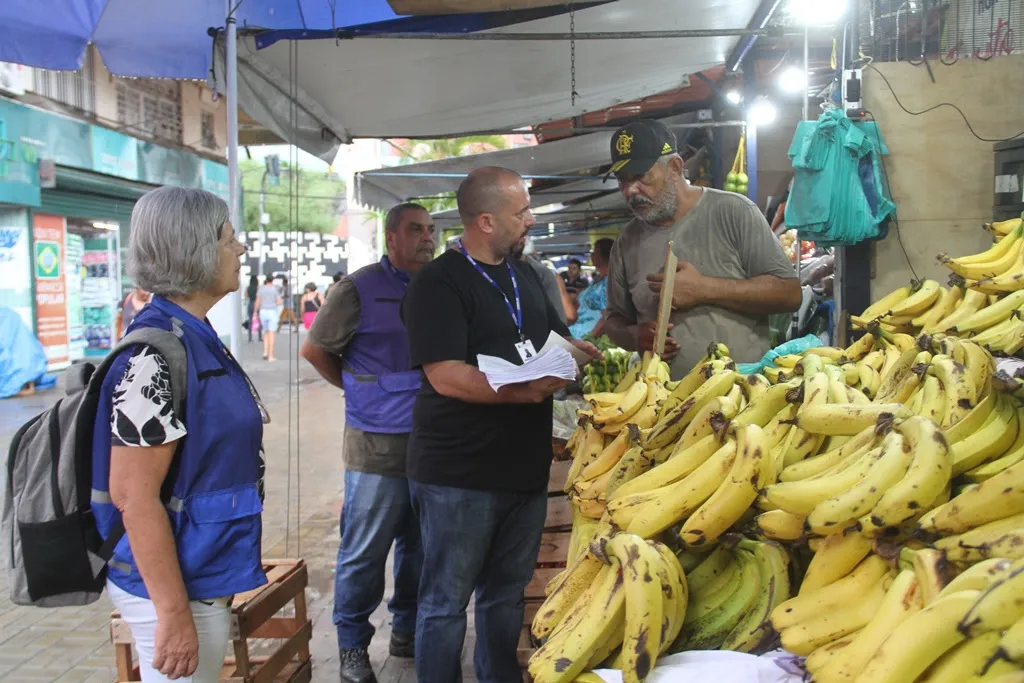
(212, 622)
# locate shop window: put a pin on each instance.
(150, 108)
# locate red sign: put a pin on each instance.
(48, 239)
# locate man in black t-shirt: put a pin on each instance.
(478, 460)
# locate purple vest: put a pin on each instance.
(380, 384)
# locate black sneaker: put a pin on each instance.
(403, 645)
(355, 666)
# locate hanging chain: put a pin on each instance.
(572, 52)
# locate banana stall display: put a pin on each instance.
(860, 507)
(984, 301)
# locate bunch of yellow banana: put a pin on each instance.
(620, 605)
(1000, 229)
(876, 487)
(732, 593)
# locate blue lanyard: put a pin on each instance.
(517, 312)
(400, 275)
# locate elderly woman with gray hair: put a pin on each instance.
(188, 486)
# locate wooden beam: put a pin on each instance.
(665, 301)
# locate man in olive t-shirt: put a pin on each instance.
(732, 271)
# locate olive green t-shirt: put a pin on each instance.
(724, 236)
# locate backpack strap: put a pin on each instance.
(171, 348)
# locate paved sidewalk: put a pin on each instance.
(303, 442)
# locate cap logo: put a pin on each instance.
(666, 149)
(624, 144)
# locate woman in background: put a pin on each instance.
(130, 307)
(592, 301)
(310, 303)
(250, 305)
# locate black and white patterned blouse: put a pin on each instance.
(142, 413)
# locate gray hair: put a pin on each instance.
(173, 247)
(394, 216)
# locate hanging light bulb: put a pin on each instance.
(793, 80)
(733, 97)
(761, 113)
(816, 12)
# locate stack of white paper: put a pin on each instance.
(553, 360)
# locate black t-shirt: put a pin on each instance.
(451, 312)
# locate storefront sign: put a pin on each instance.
(114, 153)
(15, 282)
(49, 236)
(215, 179)
(19, 178)
(164, 166)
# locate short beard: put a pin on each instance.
(663, 210)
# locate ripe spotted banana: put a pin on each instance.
(672, 422)
(737, 492)
(805, 637)
(836, 557)
(809, 604)
(642, 633)
(753, 632)
(780, 525)
(994, 499)
(966, 662)
(991, 441)
(579, 577)
(998, 607)
(845, 419)
(918, 641)
(1001, 538)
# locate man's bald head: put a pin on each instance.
(484, 191)
(495, 208)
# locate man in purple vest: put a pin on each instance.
(358, 343)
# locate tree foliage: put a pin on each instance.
(435, 150)
(319, 202)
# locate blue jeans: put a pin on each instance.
(376, 512)
(485, 541)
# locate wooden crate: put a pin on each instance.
(254, 614)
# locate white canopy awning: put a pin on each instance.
(387, 87)
(559, 161)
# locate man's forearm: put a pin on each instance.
(464, 382)
(761, 295)
(620, 331)
(326, 364)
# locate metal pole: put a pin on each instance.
(807, 73)
(231, 70)
(263, 209)
(553, 131)
(589, 35)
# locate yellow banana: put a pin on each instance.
(805, 469)
(578, 578)
(996, 251)
(1011, 645)
(712, 418)
(991, 441)
(979, 366)
(835, 558)
(631, 402)
(991, 315)
(641, 639)
(978, 270)
(901, 601)
(972, 302)
(711, 630)
(671, 423)
(932, 569)
(761, 410)
(885, 305)
(607, 458)
(972, 421)
(968, 661)
(735, 495)
(945, 305)
(998, 607)
(919, 640)
(846, 419)
(780, 525)
(1001, 538)
(590, 445)
(870, 379)
(688, 384)
(674, 587)
(960, 393)
(832, 514)
(927, 477)
(830, 625)
(680, 464)
(978, 576)
(755, 386)
(568, 651)
(1009, 280)
(677, 501)
(800, 497)
(809, 604)
(859, 348)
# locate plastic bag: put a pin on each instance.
(799, 345)
(721, 666)
(564, 414)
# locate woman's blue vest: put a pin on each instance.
(213, 493)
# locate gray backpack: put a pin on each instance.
(56, 554)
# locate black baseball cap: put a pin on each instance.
(638, 145)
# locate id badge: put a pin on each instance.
(526, 350)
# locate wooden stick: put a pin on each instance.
(665, 302)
